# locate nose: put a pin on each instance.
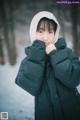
(45, 36)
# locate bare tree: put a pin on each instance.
(74, 16)
(1, 52)
(8, 30)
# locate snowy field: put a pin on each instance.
(18, 103)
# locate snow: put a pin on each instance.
(17, 102)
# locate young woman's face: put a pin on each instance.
(45, 33)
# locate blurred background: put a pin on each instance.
(15, 18)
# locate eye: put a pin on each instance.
(40, 31)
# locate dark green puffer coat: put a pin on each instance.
(52, 79)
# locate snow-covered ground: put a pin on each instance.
(17, 102)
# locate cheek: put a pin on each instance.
(38, 35)
(52, 36)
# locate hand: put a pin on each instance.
(50, 48)
(48, 40)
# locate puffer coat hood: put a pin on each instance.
(35, 21)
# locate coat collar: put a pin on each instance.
(60, 44)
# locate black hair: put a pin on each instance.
(47, 22)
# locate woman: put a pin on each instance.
(50, 72)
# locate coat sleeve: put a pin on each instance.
(30, 74)
(66, 67)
